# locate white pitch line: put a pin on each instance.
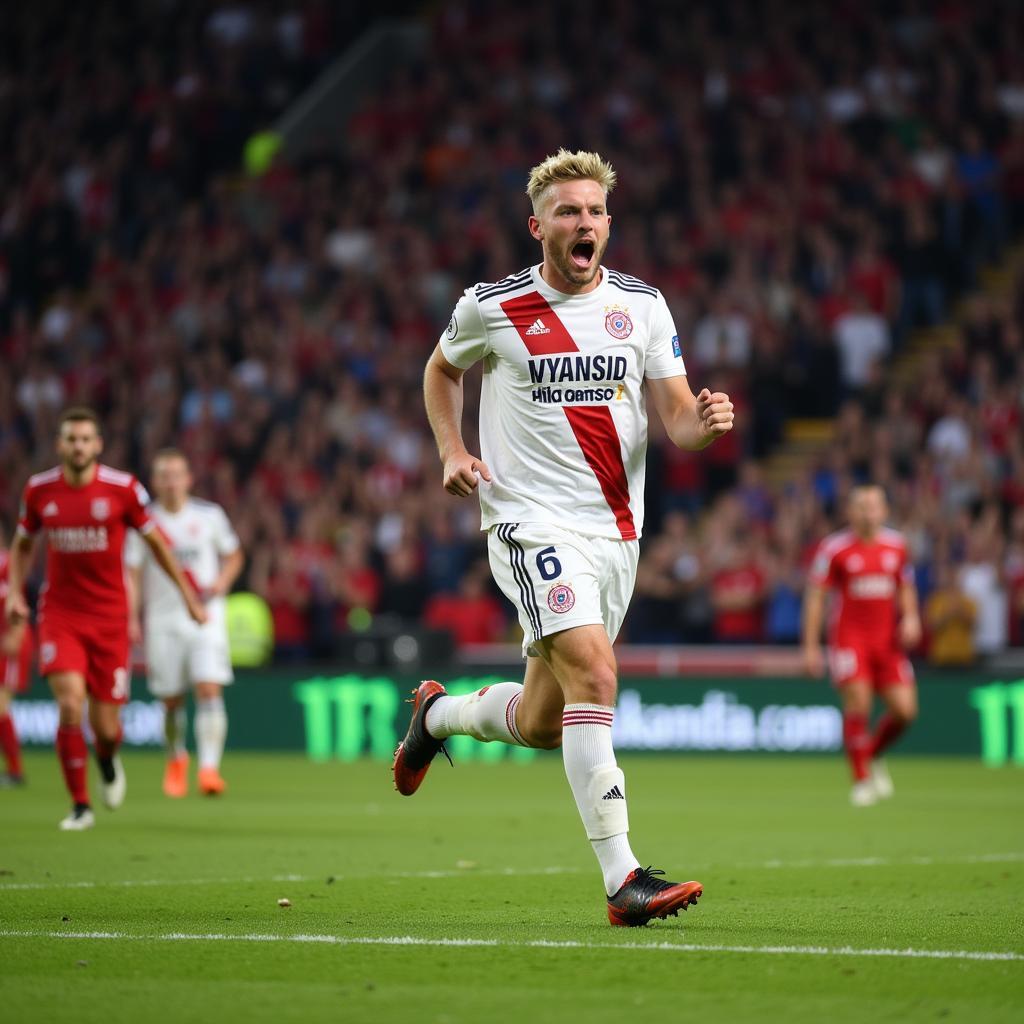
(412, 940)
(128, 883)
(836, 862)
(889, 862)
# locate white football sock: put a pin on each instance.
(211, 727)
(174, 731)
(487, 714)
(599, 788)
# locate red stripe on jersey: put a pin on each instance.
(592, 425)
(595, 431)
(526, 311)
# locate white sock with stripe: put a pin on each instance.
(487, 714)
(599, 788)
(211, 727)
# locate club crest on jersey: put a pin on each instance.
(890, 560)
(618, 324)
(453, 328)
(100, 508)
(561, 598)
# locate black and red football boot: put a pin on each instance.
(419, 748)
(642, 897)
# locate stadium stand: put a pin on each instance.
(831, 202)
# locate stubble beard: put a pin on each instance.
(78, 468)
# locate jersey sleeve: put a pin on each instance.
(465, 340)
(225, 540)
(664, 356)
(134, 550)
(136, 512)
(822, 572)
(28, 514)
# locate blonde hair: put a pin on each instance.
(566, 166)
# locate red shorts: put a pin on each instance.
(16, 672)
(880, 666)
(98, 649)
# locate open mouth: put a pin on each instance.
(582, 254)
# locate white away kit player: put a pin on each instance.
(180, 654)
(570, 352)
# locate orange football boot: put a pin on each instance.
(643, 897)
(210, 782)
(176, 777)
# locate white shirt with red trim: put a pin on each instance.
(199, 535)
(563, 420)
(85, 529)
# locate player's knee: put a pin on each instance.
(69, 710)
(905, 714)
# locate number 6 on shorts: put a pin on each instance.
(548, 564)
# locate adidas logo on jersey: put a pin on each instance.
(51, 509)
(537, 327)
(614, 794)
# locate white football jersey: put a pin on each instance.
(563, 422)
(199, 535)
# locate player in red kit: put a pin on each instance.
(85, 509)
(15, 675)
(874, 621)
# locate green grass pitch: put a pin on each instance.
(479, 900)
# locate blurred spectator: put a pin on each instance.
(980, 580)
(862, 336)
(671, 601)
(922, 264)
(949, 618)
(786, 579)
(738, 593)
(949, 440)
(473, 615)
(288, 593)
(404, 591)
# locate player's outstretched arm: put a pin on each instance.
(691, 421)
(167, 562)
(814, 615)
(16, 607)
(442, 395)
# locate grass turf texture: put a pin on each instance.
(766, 836)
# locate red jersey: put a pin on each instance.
(866, 576)
(85, 532)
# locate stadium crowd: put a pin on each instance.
(807, 185)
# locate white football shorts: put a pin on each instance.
(177, 658)
(558, 579)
